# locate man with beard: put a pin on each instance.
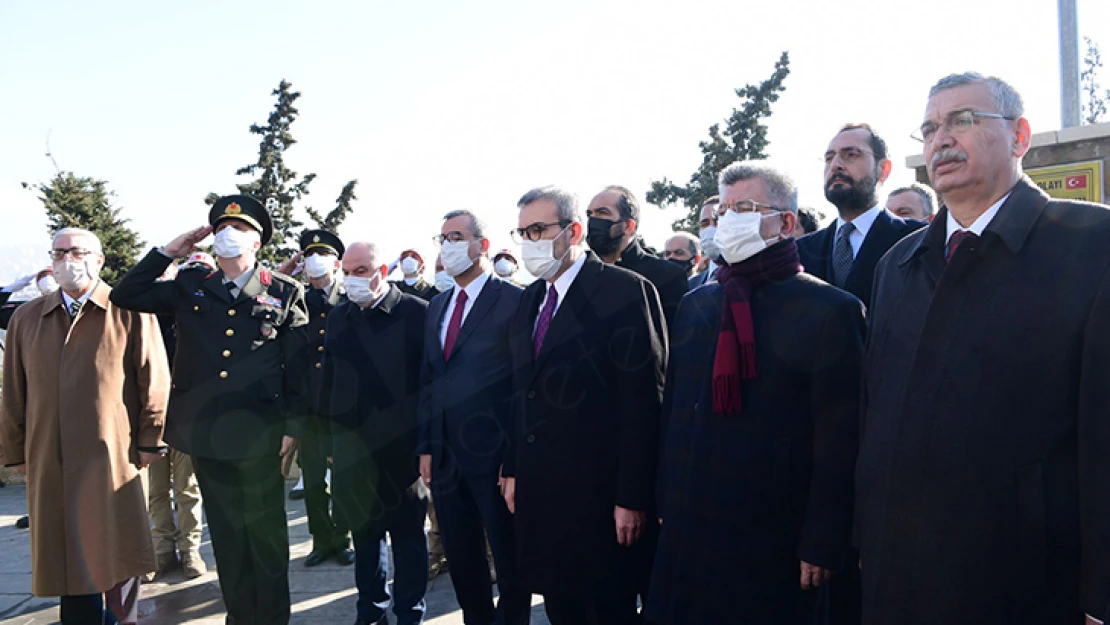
(845, 253)
(613, 217)
(707, 228)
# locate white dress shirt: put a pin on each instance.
(863, 225)
(980, 224)
(562, 283)
(473, 290)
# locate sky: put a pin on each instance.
(435, 106)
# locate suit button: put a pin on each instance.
(230, 332)
(320, 349)
(695, 407)
(227, 353)
(531, 394)
(318, 365)
(321, 332)
(267, 316)
(230, 312)
(531, 438)
(323, 315)
(223, 375)
(196, 308)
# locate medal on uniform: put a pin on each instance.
(267, 329)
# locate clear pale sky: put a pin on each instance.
(438, 105)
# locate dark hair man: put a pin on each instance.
(915, 201)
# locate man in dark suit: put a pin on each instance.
(707, 229)
(588, 359)
(982, 479)
(844, 254)
(465, 420)
(612, 219)
(237, 396)
(370, 390)
(761, 415)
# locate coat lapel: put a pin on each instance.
(252, 289)
(569, 314)
(486, 298)
(875, 244)
(436, 310)
(215, 285)
(824, 253)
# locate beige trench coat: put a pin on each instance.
(76, 403)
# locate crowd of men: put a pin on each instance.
(894, 419)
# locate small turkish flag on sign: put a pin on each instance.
(1077, 182)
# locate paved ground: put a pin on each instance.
(324, 594)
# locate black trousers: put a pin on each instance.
(122, 606)
(326, 533)
(245, 504)
(578, 611)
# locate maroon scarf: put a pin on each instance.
(735, 358)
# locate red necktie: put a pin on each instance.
(954, 242)
(453, 327)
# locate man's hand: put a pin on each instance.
(187, 243)
(147, 458)
(288, 448)
(20, 284)
(288, 266)
(508, 491)
(426, 469)
(813, 575)
(20, 469)
(630, 524)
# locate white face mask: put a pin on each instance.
(47, 285)
(456, 257)
(708, 245)
(410, 266)
(362, 291)
(319, 265)
(739, 236)
(232, 243)
(74, 275)
(539, 257)
(504, 267)
(444, 282)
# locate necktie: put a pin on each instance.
(74, 308)
(954, 242)
(231, 290)
(544, 322)
(453, 327)
(843, 255)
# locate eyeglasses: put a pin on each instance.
(535, 231)
(76, 253)
(454, 237)
(750, 206)
(847, 155)
(957, 123)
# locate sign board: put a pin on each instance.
(1074, 181)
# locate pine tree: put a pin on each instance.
(79, 202)
(744, 138)
(338, 214)
(1098, 102)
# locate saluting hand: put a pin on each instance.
(288, 266)
(630, 524)
(187, 243)
(813, 575)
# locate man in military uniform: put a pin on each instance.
(237, 395)
(412, 266)
(321, 251)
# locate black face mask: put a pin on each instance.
(599, 234)
(686, 265)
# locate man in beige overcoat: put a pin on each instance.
(84, 399)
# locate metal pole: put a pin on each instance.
(1069, 63)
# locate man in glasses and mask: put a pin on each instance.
(238, 395)
(760, 425)
(845, 253)
(711, 256)
(579, 474)
(612, 220)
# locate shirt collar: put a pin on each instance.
(979, 225)
(68, 301)
(862, 223)
(242, 280)
(564, 281)
(386, 302)
(474, 288)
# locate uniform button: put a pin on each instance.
(323, 315)
(227, 353)
(320, 349)
(531, 438)
(223, 375)
(318, 365)
(267, 316)
(230, 312)
(196, 308)
(531, 394)
(230, 332)
(321, 332)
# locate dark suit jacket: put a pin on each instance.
(370, 389)
(238, 375)
(815, 251)
(779, 475)
(983, 481)
(669, 279)
(586, 430)
(465, 402)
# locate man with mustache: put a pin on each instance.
(982, 477)
(845, 253)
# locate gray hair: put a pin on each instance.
(476, 225)
(925, 192)
(566, 202)
(94, 241)
(692, 242)
(1006, 98)
(781, 188)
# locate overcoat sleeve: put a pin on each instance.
(1094, 459)
(139, 289)
(13, 400)
(152, 374)
(834, 392)
(294, 354)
